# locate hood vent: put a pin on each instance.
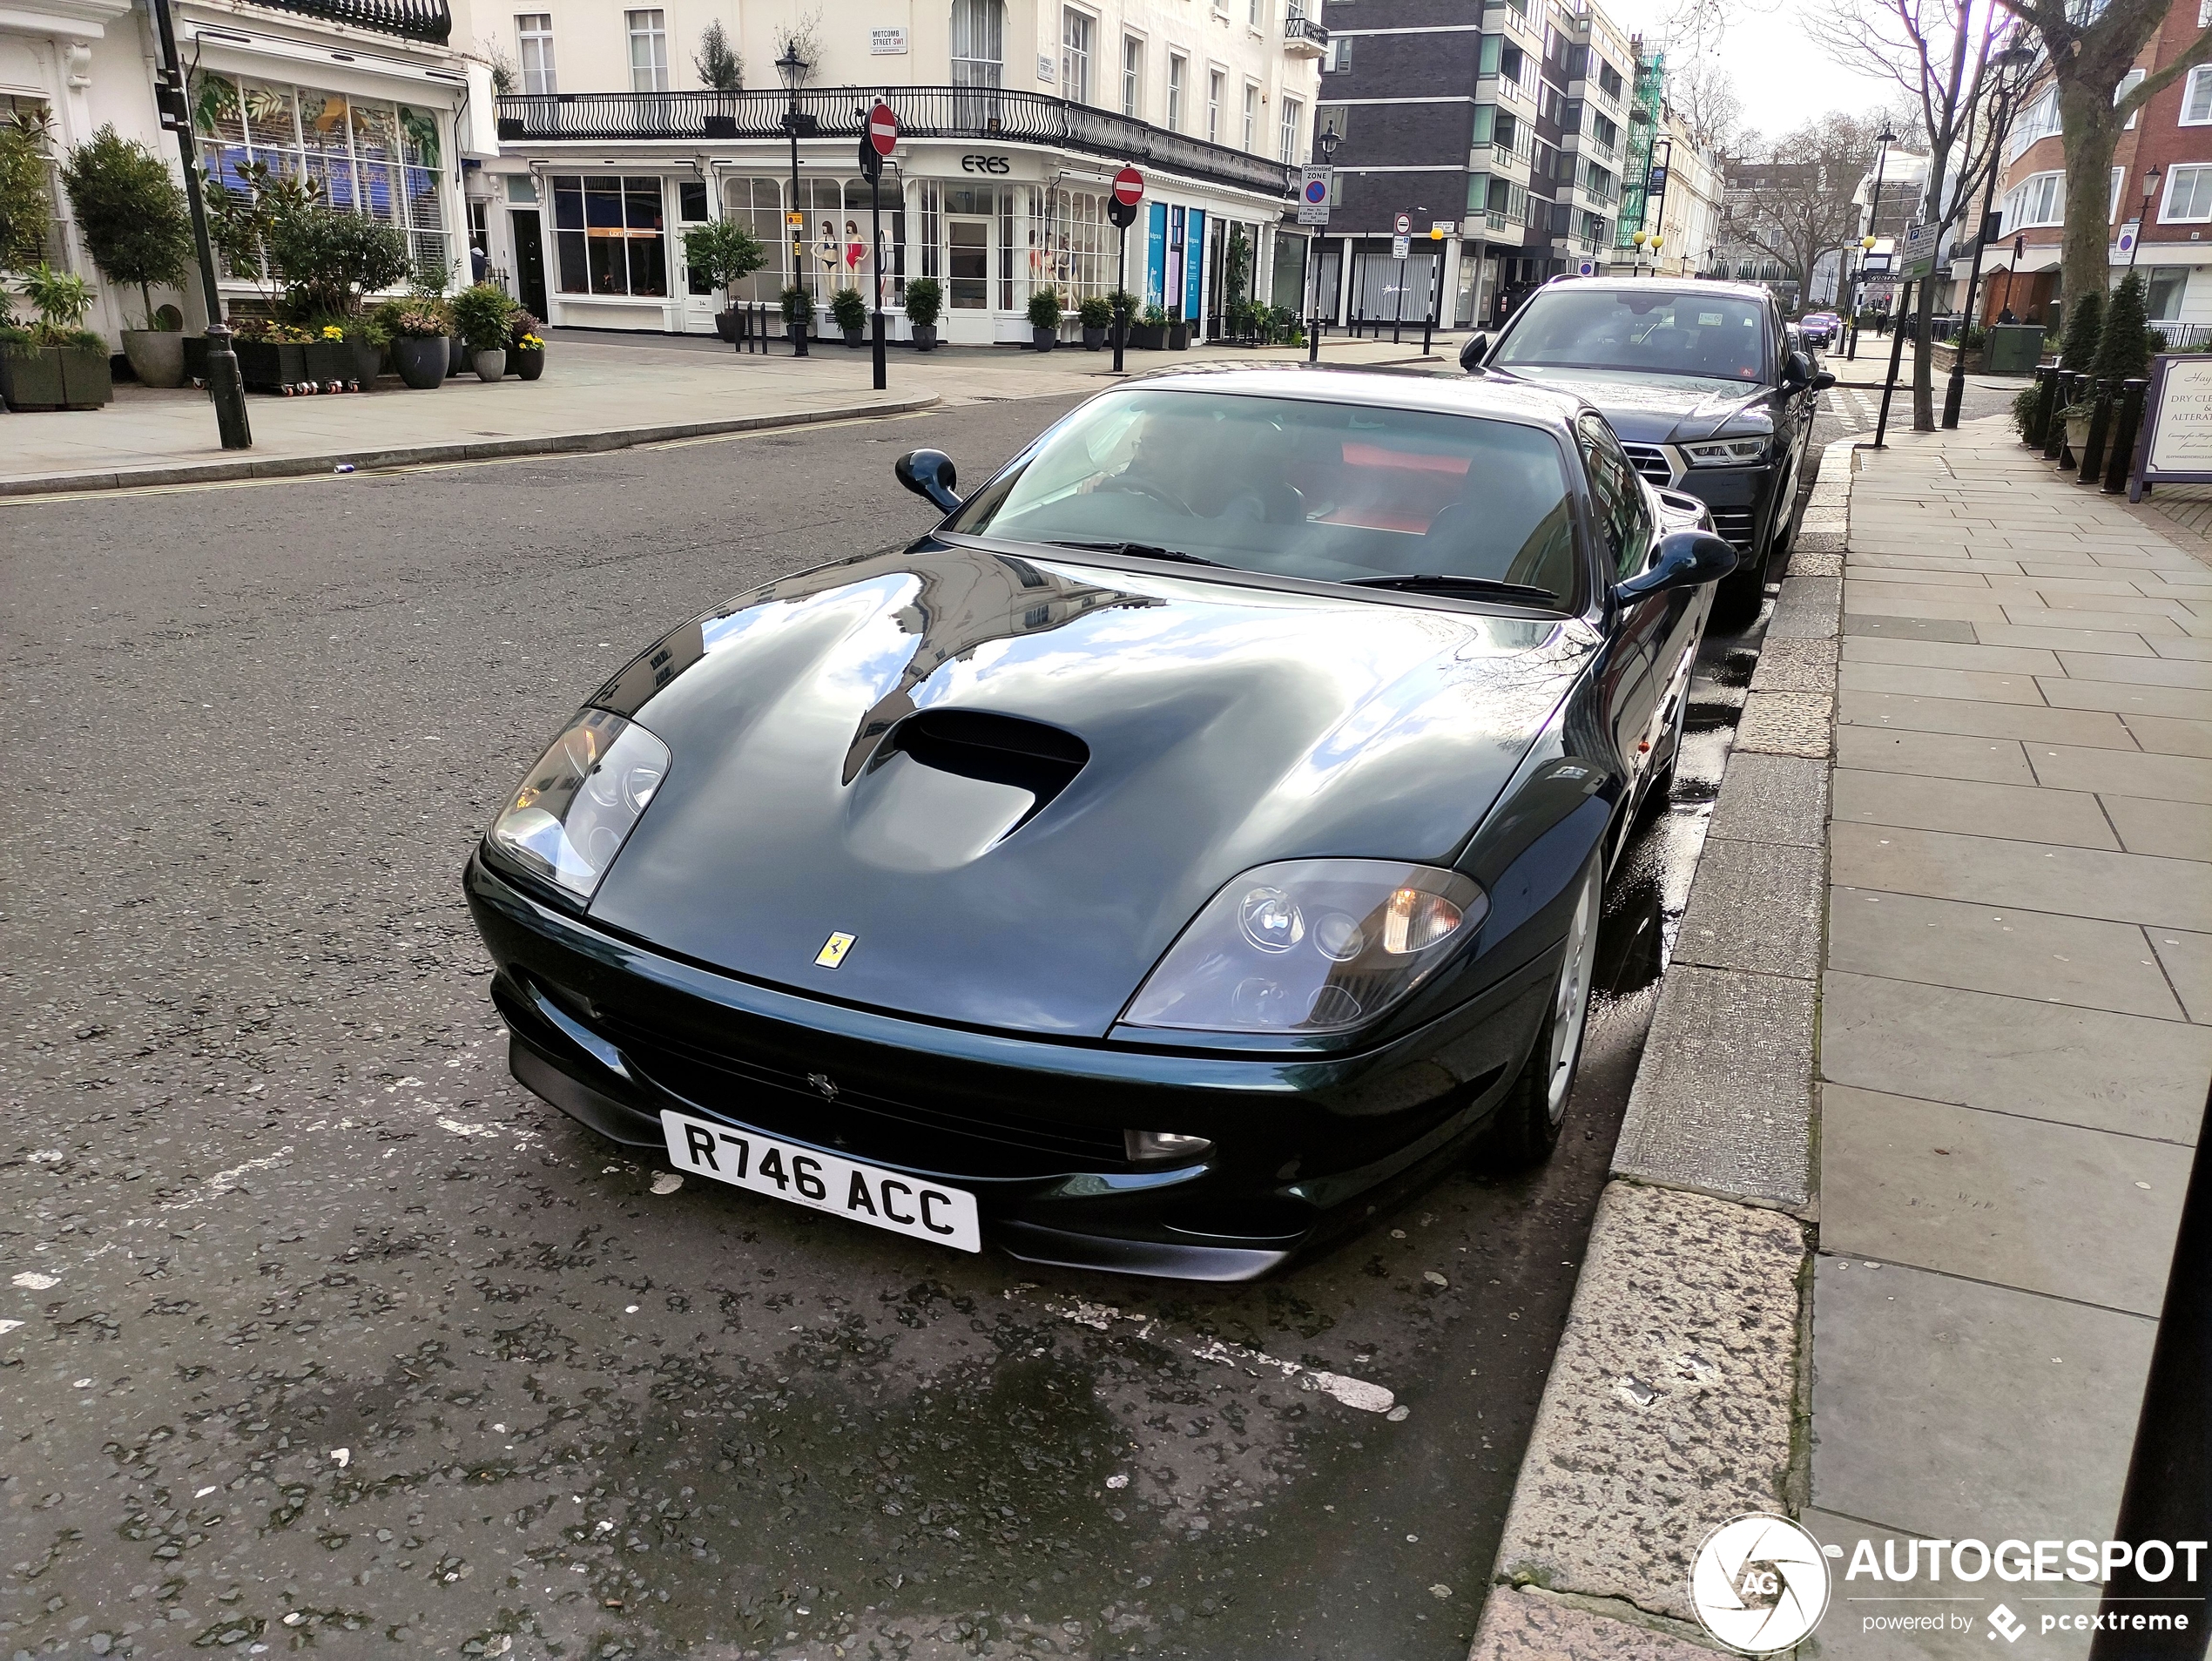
(995, 749)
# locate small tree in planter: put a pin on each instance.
(850, 308)
(798, 308)
(1044, 319)
(135, 223)
(483, 311)
(1150, 333)
(925, 303)
(728, 254)
(1096, 317)
(57, 363)
(2123, 344)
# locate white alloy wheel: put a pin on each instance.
(1571, 998)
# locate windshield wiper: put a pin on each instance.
(1140, 549)
(1446, 585)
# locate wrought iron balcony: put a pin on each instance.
(1303, 37)
(427, 20)
(970, 112)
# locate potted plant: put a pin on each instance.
(1044, 319)
(726, 253)
(419, 347)
(135, 225)
(368, 339)
(2084, 327)
(798, 308)
(272, 356)
(851, 310)
(525, 345)
(57, 363)
(1178, 333)
(1150, 333)
(1096, 317)
(925, 302)
(482, 310)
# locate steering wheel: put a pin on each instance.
(1128, 486)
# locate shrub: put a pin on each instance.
(724, 250)
(418, 323)
(1095, 313)
(2123, 344)
(26, 209)
(132, 213)
(850, 308)
(2083, 319)
(925, 301)
(524, 326)
(1156, 316)
(1045, 308)
(329, 258)
(62, 297)
(1124, 302)
(798, 305)
(2025, 403)
(482, 310)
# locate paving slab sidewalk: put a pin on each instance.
(1928, 1097)
(599, 392)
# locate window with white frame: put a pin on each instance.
(1251, 115)
(2039, 120)
(609, 235)
(2196, 97)
(978, 42)
(1132, 76)
(1217, 85)
(2036, 200)
(2129, 82)
(1178, 74)
(1075, 29)
(2164, 303)
(534, 44)
(2119, 179)
(1337, 57)
(1256, 14)
(1292, 110)
(2188, 196)
(648, 51)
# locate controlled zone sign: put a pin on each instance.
(1316, 185)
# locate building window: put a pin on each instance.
(1335, 117)
(2196, 97)
(381, 160)
(648, 51)
(2188, 196)
(1216, 85)
(978, 57)
(534, 38)
(2129, 82)
(610, 235)
(1076, 243)
(2040, 120)
(758, 203)
(1292, 110)
(1251, 115)
(1074, 55)
(1178, 72)
(1132, 76)
(1337, 58)
(2112, 209)
(1256, 14)
(2166, 287)
(2038, 199)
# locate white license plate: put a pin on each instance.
(823, 1182)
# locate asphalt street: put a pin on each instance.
(322, 1334)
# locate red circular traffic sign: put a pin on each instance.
(883, 128)
(1129, 187)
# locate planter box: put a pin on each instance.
(1178, 337)
(855, 337)
(328, 362)
(1942, 356)
(157, 356)
(1149, 337)
(270, 366)
(58, 377)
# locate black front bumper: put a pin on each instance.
(611, 1033)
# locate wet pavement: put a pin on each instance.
(321, 1335)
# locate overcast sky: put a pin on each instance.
(1784, 79)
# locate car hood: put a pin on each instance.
(1653, 409)
(1225, 725)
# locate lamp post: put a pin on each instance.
(2020, 252)
(1885, 139)
(794, 69)
(1326, 141)
(1635, 259)
(2142, 214)
(2013, 61)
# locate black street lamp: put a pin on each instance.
(794, 71)
(225, 384)
(1326, 141)
(1873, 225)
(2014, 61)
(2142, 214)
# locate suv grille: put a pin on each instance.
(1734, 524)
(1650, 460)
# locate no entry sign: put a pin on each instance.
(1129, 187)
(883, 129)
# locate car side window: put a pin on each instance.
(1623, 525)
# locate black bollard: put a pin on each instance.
(2046, 393)
(2121, 462)
(2054, 429)
(2093, 452)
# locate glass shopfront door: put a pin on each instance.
(968, 264)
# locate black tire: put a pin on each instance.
(1527, 1126)
(1739, 596)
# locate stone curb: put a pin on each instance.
(419, 455)
(1677, 1400)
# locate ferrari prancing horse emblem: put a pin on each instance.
(833, 950)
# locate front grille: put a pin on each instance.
(1735, 524)
(1650, 460)
(962, 1136)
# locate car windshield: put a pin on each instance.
(1329, 491)
(1715, 337)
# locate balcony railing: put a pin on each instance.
(1303, 37)
(427, 20)
(977, 112)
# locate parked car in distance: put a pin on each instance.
(1195, 841)
(1821, 329)
(1701, 382)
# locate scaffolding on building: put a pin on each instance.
(1646, 111)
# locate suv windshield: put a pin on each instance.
(1715, 337)
(1331, 492)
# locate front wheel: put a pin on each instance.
(1529, 1118)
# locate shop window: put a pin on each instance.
(1076, 243)
(534, 41)
(609, 236)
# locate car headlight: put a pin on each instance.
(1310, 946)
(578, 805)
(1727, 452)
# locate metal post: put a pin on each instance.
(2046, 398)
(1398, 318)
(795, 222)
(2169, 1497)
(2121, 461)
(1896, 359)
(1955, 392)
(1121, 305)
(2054, 428)
(225, 384)
(875, 225)
(2093, 452)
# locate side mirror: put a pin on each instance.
(1797, 370)
(929, 473)
(1823, 380)
(1686, 559)
(1470, 354)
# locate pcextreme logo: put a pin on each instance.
(1759, 1583)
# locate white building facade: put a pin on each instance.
(1014, 116)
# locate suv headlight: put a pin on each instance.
(1310, 946)
(579, 804)
(1727, 452)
